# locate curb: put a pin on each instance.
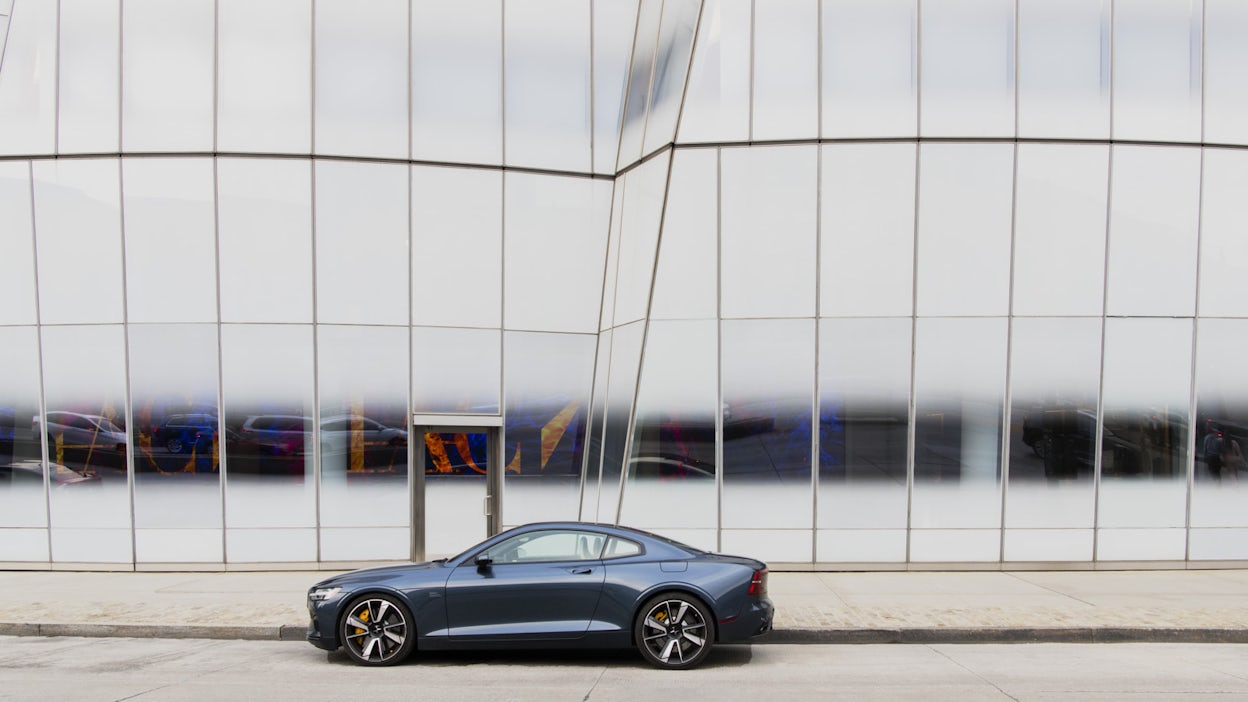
(900, 635)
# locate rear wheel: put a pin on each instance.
(674, 631)
(376, 630)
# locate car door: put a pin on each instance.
(537, 585)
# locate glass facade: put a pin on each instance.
(834, 283)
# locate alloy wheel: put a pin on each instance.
(375, 631)
(674, 632)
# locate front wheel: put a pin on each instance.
(377, 630)
(674, 631)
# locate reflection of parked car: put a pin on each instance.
(82, 431)
(337, 432)
(670, 466)
(30, 472)
(289, 434)
(284, 434)
(181, 432)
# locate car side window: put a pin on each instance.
(621, 548)
(554, 545)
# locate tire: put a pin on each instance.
(674, 631)
(175, 445)
(377, 630)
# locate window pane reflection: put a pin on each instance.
(870, 51)
(644, 190)
(1223, 240)
(27, 97)
(680, 18)
(717, 100)
(167, 72)
(455, 370)
(1226, 72)
(594, 433)
(786, 67)
(1221, 478)
(89, 73)
(17, 243)
(614, 24)
(1157, 60)
(686, 277)
(967, 68)
(620, 391)
(633, 125)
(1063, 68)
(22, 501)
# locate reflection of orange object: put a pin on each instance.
(437, 453)
(514, 466)
(554, 430)
(356, 462)
(465, 452)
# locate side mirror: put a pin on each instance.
(484, 561)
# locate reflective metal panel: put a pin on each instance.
(866, 252)
(686, 274)
(170, 228)
(768, 231)
(28, 81)
(361, 243)
(967, 68)
(870, 68)
(606, 317)
(670, 483)
(1221, 477)
(457, 247)
(1157, 65)
(1054, 380)
(590, 480)
(84, 424)
(167, 73)
(555, 229)
(768, 403)
(1226, 72)
(640, 71)
(548, 380)
(362, 78)
(1059, 229)
(78, 238)
(864, 419)
(717, 101)
(455, 371)
(671, 66)
(22, 499)
(89, 75)
(546, 49)
(786, 70)
(1064, 68)
(959, 394)
(620, 390)
(1154, 201)
(1223, 245)
(17, 263)
(264, 76)
(363, 435)
(457, 64)
(644, 190)
(965, 200)
(265, 237)
(177, 439)
(615, 22)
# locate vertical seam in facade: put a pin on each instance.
(216, 74)
(41, 407)
(1007, 409)
(222, 456)
(502, 81)
(127, 395)
(654, 62)
(121, 72)
(56, 97)
(316, 372)
(311, 80)
(1193, 415)
(815, 420)
(753, 13)
(1098, 458)
(501, 434)
(911, 428)
(411, 112)
(684, 91)
(628, 81)
(593, 63)
(719, 352)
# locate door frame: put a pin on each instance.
(492, 427)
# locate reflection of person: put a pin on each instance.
(1232, 457)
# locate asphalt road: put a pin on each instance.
(148, 670)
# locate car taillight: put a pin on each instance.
(758, 583)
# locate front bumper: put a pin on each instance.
(321, 626)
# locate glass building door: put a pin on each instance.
(456, 488)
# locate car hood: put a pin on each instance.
(434, 569)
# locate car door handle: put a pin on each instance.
(581, 571)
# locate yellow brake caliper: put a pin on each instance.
(363, 618)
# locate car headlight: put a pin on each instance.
(321, 594)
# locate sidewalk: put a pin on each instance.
(885, 607)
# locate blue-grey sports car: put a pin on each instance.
(548, 585)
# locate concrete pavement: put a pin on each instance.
(878, 607)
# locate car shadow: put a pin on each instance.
(724, 656)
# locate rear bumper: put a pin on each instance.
(754, 620)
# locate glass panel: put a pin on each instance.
(361, 243)
(867, 230)
(548, 387)
(556, 228)
(870, 72)
(1063, 68)
(1055, 373)
(78, 220)
(786, 69)
(170, 224)
(640, 71)
(686, 276)
(717, 100)
(1154, 201)
(1224, 234)
(89, 75)
(643, 208)
(176, 437)
(769, 194)
(457, 114)
(17, 263)
(265, 234)
(610, 275)
(457, 258)
(864, 419)
(22, 499)
(456, 465)
(455, 370)
(620, 391)
(959, 390)
(264, 80)
(28, 81)
(1221, 479)
(965, 202)
(1147, 385)
(680, 19)
(547, 87)
(356, 117)
(614, 24)
(1157, 47)
(967, 68)
(84, 371)
(1059, 229)
(671, 465)
(360, 372)
(768, 403)
(267, 381)
(1226, 72)
(167, 74)
(594, 434)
